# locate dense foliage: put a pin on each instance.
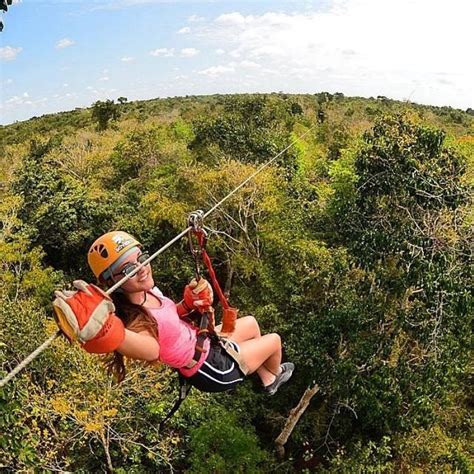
(356, 246)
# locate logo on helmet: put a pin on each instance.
(121, 242)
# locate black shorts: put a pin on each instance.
(219, 372)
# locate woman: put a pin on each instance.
(144, 324)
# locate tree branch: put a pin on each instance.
(293, 418)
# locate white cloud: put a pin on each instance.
(249, 64)
(126, 59)
(220, 51)
(163, 52)
(184, 30)
(189, 52)
(64, 43)
(216, 71)
(7, 82)
(195, 18)
(359, 47)
(14, 100)
(23, 99)
(233, 19)
(104, 78)
(8, 53)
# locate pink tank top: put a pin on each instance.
(177, 339)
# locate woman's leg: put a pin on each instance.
(263, 355)
(247, 329)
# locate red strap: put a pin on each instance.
(201, 240)
(230, 314)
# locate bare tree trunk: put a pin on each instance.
(105, 443)
(293, 418)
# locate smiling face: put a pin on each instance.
(140, 282)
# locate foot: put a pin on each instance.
(285, 375)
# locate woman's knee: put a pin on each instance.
(276, 339)
(252, 324)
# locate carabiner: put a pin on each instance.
(195, 220)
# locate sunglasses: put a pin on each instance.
(127, 269)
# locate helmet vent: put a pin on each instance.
(101, 250)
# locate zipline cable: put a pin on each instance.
(48, 341)
(257, 171)
(28, 359)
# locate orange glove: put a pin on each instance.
(87, 315)
(198, 294)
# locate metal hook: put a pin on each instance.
(195, 219)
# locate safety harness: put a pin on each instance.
(206, 322)
(229, 314)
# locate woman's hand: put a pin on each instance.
(198, 294)
(87, 315)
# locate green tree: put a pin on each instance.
(103, 112)
(56, 212)
(221, 445)
(385, 304)
(251, 129)
(407, 229)
(296, 108)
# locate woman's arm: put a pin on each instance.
(139, 345)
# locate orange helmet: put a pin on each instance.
(108, 249)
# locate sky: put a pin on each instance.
(61, 54)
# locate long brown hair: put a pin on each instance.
(135, 318)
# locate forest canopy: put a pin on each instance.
(355, 246)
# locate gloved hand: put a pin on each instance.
(87, 315)
(198, 294)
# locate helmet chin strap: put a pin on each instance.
(144, 298)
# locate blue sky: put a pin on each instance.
(58, 55)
